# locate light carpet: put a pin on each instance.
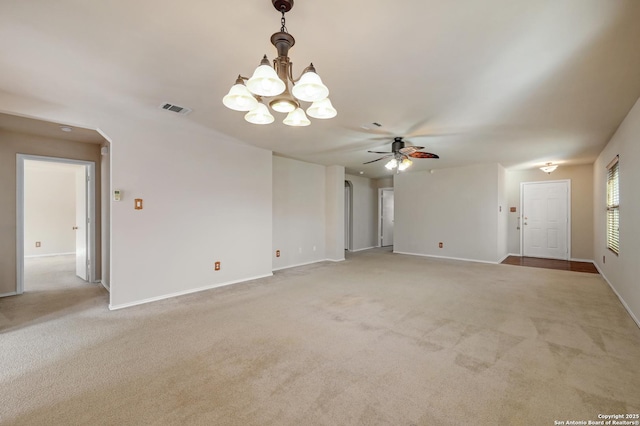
(380, 339)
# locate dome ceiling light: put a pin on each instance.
(549, 167)
(273, 82)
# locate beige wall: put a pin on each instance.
(298, 212)
(457, 206)
(364, 212)
(385, 182)
(12, 144)
(49, 208)
(581, 205)
(621, 271)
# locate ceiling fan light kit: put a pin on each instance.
(273, 82)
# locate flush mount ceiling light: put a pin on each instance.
(273, 82)
(549, 168)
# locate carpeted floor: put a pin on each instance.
(380, 339)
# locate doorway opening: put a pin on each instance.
(56, 226)
(385, 217)
(546, 219)
(348, 215)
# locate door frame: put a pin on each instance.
(348, 212)
(20, 210)
(568, 182)
(380, 190)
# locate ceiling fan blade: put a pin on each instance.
(410, 149)
(370, 130)
(421, 154)
(381, 158)
(380, 152)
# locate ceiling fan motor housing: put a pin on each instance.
(397, 145)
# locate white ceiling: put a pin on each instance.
(510, 81)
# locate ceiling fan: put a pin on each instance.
(400, 155)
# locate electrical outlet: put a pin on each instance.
(217, 266)
(277, 253)
(38, 244)
(440, 245)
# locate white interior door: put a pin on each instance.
(387, 217)
(81, 223)
(545, 219)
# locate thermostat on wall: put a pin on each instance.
(116, 195)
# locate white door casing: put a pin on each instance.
(545, 219)
(387, 215)
(82, 221)
(90, 208)
(348, 209)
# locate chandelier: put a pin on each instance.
(273, 82)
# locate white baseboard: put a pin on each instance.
(13, 293)
(504, 257)
(298, 264)
(49, 255)
(182, 293)
(335, 260)
(514, 254)
(573, 259)
(631, 314)
(447, 257)
(107, 287)
(362, 249)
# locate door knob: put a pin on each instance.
(75, 228)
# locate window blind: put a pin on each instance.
(613, 206)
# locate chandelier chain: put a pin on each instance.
(283, 28)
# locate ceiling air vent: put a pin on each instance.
(175, 108)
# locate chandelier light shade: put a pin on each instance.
(550, 167)
(239, 98)
(310, 88)
(322, 109)
(259, 115)
(265, 81)
(277, 82)
(297, 118)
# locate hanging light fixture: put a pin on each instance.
(400, 162)
(273, 82)
(550, 167)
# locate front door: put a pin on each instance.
(545, 219)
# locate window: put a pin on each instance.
(613, 206)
